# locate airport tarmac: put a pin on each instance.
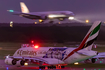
(3, 66)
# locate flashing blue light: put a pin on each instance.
(7, 68)
(11, 10)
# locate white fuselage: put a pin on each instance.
(42, 51)
(31, 51)
(48, 15)
(53, 12)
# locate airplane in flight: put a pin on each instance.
(53, 57)
(42, 16)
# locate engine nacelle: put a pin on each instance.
(10, 61)
(20, 63)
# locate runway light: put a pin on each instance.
(25, 64)
(11, 24)
(87, 21)
(76, 63)
(35, 22)
(71, 18)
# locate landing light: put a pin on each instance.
(40, 20)
(76, 63)
(87, 21)
(36, 46)
(71, 18)
(25, 64)
(54, 16)
(51, 16)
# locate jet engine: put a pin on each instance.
(11, 61)
(20, 63)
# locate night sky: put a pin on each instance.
(83, 9)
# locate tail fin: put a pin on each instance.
(24, 8)
(91, 36)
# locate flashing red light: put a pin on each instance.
(32, 41)
(36, 46)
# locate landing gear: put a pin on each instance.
(41, 67)
(93, 60)
(52, 67)
(51, 21)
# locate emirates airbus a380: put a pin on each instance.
(42, 16)
(52, 57)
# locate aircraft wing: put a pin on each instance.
(39, 60)
(100, 56)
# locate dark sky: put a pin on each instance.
(83, 9)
